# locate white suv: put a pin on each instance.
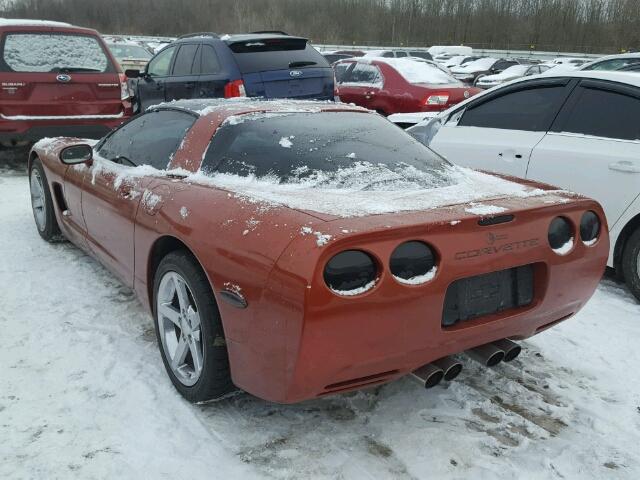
(579, 130)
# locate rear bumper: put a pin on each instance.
(308, 342)
(32, 129)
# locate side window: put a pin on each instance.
(388, 55)
(150, 139)
(159, 66)
(532, 109)
(209, 60)
(365, 74)
(604, 113)
(401, 53)
(532, 71)
(185, 59)
(340, 70)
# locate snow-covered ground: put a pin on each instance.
(83, 394)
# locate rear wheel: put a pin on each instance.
(631, 263)
(189, 329)
(42, 203)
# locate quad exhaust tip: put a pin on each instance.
(428, 375)
(493, 353)
(511, 349)
(450, 366)
(432, 374)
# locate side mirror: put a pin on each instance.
(76, 154)
(133, 73)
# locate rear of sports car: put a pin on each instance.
(361, 301)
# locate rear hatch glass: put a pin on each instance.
(282, 68)
(57, 74)
(47, 52)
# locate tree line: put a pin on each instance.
(551, 25)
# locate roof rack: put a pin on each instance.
(275, 32)
(199, 34)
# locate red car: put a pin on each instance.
(299, 249)
(398, 85)
(57, 79)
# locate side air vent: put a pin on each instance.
(485, 222)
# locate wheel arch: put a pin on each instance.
(161, 247)
(621, 241)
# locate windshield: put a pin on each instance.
(46, 52)
(120, 50)
(338, 150)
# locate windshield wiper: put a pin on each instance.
(301, 64)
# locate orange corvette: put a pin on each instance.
(297, 249)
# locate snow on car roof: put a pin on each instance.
(417, 71)
(203, 107)
(18, 22)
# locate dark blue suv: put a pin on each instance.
(205, 65)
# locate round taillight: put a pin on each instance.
(413, 262)
(350, 272)
(560, 233)
(589, 227)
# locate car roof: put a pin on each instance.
(227, 107)
(42, 25)
(629, 78)
(613, 57)
(243, 37)
(25, 22)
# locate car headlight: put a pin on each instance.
(560, 234)
(350, 272)
(413, 262)
(589, 227)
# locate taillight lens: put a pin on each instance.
(413, 262)
(234, 88)
(350, 272)
(589, 227)
(560, 233)
(439, 99)
(125, 94)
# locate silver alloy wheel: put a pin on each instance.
(38, 200)
(179, 327)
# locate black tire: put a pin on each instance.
(215, 377)
(48, 229)
(631, 263)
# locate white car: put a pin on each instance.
(613, 62)
(511, 73)
(579, 130)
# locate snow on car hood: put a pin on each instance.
(354, 193)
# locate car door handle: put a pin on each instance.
(625, 166)
(190, 85)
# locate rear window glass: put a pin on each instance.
(46, 52)
(328, 149)
(275, 54)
